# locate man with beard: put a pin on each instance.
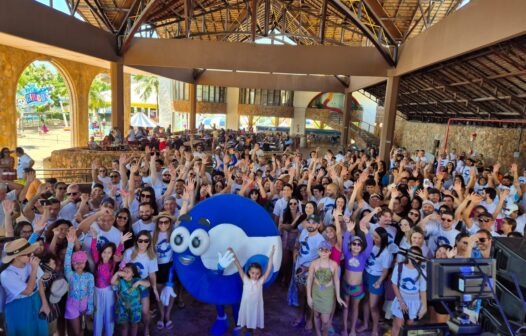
(145, 221)
(440, 234)
(305, 252)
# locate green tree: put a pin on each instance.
(96, 101)
(146, 86)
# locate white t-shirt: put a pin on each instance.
(280, 206)
(391, 231)
(438, 236)
(376, 265)
(411, 281)
(139, 225)
(144, 264)
(521, 222)
(114, 236)
(328, 204)
(23, 162)
(68, 212)
(163, 249)
(14, 281)
(308, 248)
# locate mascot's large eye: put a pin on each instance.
(179, 239)
(199, 242)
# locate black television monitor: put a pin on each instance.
(453, 279)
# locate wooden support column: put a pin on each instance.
(127, 103)
(344, 139)
(188, 13)
(192, 92)
(117, 96)
(254, 17)
(323, 19)
(387, 132)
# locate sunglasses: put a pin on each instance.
(114, 176)
(146, 195)
(356, 244)
(122, 217)
(482, 240)
(164, 222)
(447, 220)
(143, 241)
(293, 203)
(72, 194)
(324, 250)
(485, 220)
(413, 213)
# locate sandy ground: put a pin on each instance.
(40, 146)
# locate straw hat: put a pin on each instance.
(164, 214)
(17, 248)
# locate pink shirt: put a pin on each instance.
(104, 271)
(336, 255)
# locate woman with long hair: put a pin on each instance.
(142, 254)
(288, 225)
(376, 271)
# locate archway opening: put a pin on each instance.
(99, 107)
(44, 109)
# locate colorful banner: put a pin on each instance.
(32, 95)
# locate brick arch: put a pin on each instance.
(63, 70)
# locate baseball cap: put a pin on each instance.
(510, 209)
(313, 218)
(324, 245)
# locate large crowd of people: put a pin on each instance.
(343, 215)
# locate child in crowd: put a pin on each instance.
(409, 285)
(129, 287)
(81, 285)
(323, 285)
(358, 245)
(251, 310)
(104, 269)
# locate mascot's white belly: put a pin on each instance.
(226, 235)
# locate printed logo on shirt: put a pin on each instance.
(304, 247)
(354, 262)
(371, 260)
(441, 240)
(101, 241)
(163, 248)
(408, 284)
(140, 267)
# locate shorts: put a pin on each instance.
(163, 274)
(125, 314)
(75, 308)
(413, 304)
(356, 292)
(301, 276)
(145, 292)
(369, 281)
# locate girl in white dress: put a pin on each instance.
(251, 313)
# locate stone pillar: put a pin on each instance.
(166, 109)
(127, 103)
(10, 70)
(232, 103)
(117, 95)
(347, 107)
(79, 114)
(387, 132)
(192, 92)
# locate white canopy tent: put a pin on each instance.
(141, 120)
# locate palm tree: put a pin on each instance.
(146, 86)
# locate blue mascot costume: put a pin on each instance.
(202, 262)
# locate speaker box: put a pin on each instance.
(491, 321)
(510, 254)
(510, 302)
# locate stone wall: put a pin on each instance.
(201, 107)
(262, 110)
(496, 144)
(78, 77)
